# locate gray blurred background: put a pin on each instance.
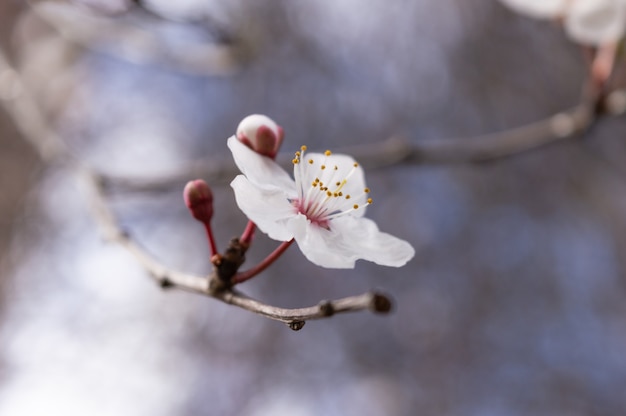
(515, 303)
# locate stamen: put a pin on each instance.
(319, 203)
(340, 185)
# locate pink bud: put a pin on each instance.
(261, 134)
(199, 199)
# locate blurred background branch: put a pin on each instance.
(50, 147)
(142, 37)
(517, 289)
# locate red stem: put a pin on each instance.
(249, 274)
(209, 234)
(248, 233)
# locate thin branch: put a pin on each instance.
(18, 103)
(248, 274)
(394, 151)
(295, 318)
(35, 130)
(597, 101)
(134, 35)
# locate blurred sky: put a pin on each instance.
(513, 305)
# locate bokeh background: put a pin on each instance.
(515, 303)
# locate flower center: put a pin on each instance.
(325, 191)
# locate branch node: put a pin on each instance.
(217, 285)
(164, 282)
(615, 103)
(381, 303)
(562, 125)
(231, 260)
(326, 308)
(296, 325)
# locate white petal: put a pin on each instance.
(269, 209)
(345, 169)
(348, 240)
(538, 8)
(596, 21)
(319, 245)
(362, 237)
(260, 170)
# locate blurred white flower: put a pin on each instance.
(593, 22)
(322, 209)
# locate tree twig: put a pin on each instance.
(134, 35)
(34, 128)
(396, 150)
(52, 149)
(597, 100)
(294, 318)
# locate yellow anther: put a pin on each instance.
(298, 153)
(317, 180)
(356, 165)
(323, 167)
(329, 193)
(338, 183)
(310, 161)
(336, 167)
(335, 194)
(340, 193)
(303, 148)
(295, 161)
(347, 196)
(369, 200)
(328, 153)
(314, 184)
(356, 206)
(367, 190)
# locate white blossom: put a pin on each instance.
(593, 22)
(322, 208)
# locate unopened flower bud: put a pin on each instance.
(261, 134)
(199, 199)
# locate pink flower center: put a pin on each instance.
(322, 188)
